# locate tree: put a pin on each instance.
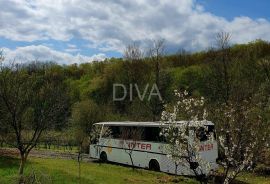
(31, 104)
(3, 127)
(84, 115)
(182, 58)
(182, 144)
(239, 108)
(242, 135)
(134, 65)
(220, 69)
(243, 123)
(129, 137)
(156, 54)
(133, 53)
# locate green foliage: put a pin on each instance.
(139, 111)
(190, 78)
(88, 88)
(84, 115)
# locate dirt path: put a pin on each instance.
(46, 154)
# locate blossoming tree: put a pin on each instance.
(183, 143)
(242, 135)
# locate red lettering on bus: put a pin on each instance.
(206, 147)
(139, 146)
(143, 146)
(131, 145)
(148, 146)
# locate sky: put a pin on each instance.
(77, 31)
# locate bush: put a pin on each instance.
(262, 170)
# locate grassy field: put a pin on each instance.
(59, 171)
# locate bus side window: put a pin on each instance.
(152, 134)
(131, 133)
(115, 132)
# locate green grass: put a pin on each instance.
(59, 171)
(52, 148)
(254, 179)
(60, 149)
(66, 171)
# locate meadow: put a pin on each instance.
(60, 171)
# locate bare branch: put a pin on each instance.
(223, 40)
(133, 53)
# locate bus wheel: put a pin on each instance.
(103, 157)
(154, 165)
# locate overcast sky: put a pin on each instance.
(76, 31)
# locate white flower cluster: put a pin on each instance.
(183, 144)
(238, 150)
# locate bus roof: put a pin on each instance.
(145, 124)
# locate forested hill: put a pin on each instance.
(216, 74)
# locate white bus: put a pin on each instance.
(148, 150)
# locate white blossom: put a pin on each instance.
(181, 144)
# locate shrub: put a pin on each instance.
(262, 170)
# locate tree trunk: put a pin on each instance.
(22, 165)
(79, 162)
(133, 168)
(176, 167)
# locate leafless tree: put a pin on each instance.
(221, 66)
(223, 40)
(133, 53)
(30, 105)
(156, 53)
